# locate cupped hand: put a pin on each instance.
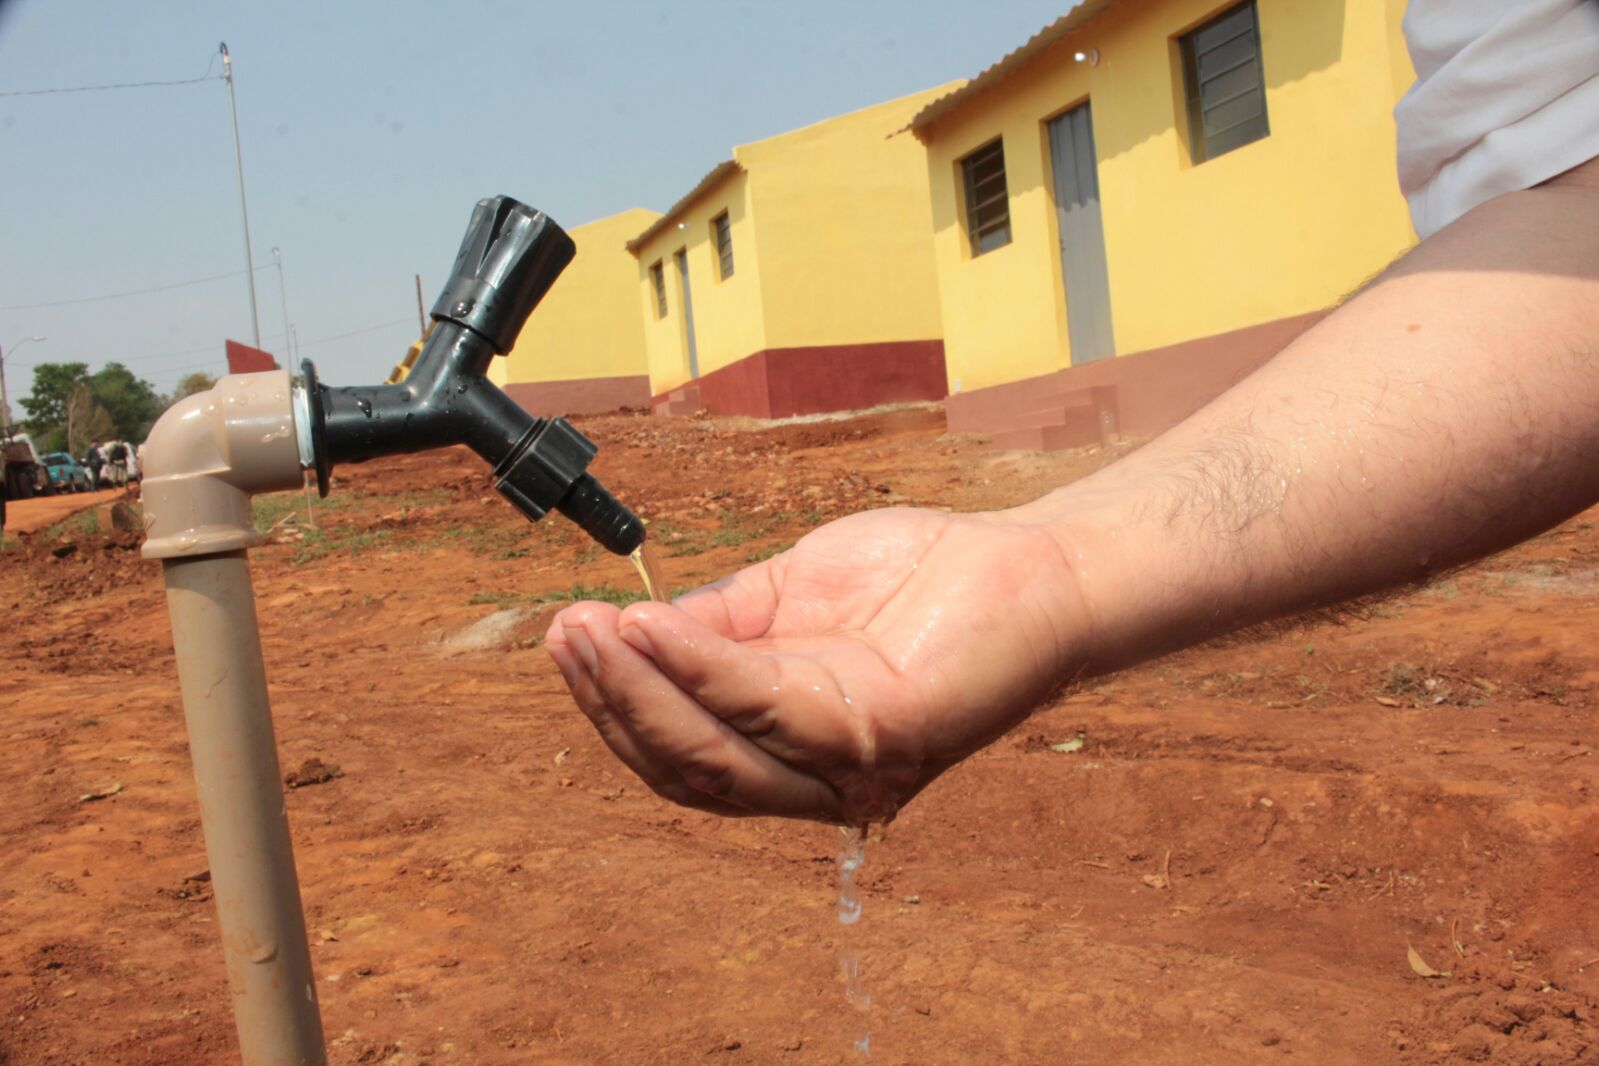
(835, 680)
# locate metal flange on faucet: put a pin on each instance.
(253, 433)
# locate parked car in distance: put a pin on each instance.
(24, 473)
(65, 473)
(130, 460)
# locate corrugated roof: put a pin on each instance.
(718, 172)
(1074, 19)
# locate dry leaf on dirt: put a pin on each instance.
(1161, 880)
(1418, 964)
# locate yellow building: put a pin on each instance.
(582, 349)
(798, 275)
(1184, 185)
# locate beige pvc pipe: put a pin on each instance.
(242, 814)
(204, 459)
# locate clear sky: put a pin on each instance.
(369, 130)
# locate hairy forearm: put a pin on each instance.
(1448, 411)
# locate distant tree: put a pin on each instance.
(132, 402)
(86, 420)
(199, 381)
(46, 404)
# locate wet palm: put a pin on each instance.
(835, 680)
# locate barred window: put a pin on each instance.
(722, 230)
(987, 199)
(1223, 82)
(658, 281)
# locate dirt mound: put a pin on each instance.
(1490, 1013)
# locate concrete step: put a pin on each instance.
(1056, 416)
(998, 410)
(1079, 432)
(682, 401)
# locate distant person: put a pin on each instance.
(1448, 411)
(117, 462)
(94, 460)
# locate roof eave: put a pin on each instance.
(1079, 16)
(725, 169)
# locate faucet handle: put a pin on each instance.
(509, 258)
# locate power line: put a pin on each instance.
(214, 347)
(123, 85)
(120, 295)
(355, 332)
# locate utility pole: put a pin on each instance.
(244, 210)
(5, 401)
(421, 316)
(283, 295)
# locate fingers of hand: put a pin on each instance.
(740, 606)
(662, 779)
(671, 727)
(788, 705)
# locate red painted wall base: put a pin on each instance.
(585, 396)
(780, 382)
(1136, 395)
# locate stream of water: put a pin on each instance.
(851, 857)
(649, 571)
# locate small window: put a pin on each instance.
(1223, 84)
(987, 200)
(722, 230)
(658, 282)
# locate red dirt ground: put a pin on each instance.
(30, 516)
(1230, 869)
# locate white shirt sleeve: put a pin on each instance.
(1506, 96)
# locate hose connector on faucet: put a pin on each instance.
(545, 472)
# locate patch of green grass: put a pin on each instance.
(493, 541)
(269, 508)
(734, 529)
(1404, 681)
(767, 552)
(499, 599)
(603, 593)
(324, 541)
(82, 524)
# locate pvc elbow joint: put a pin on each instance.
(208, 454)
(510, 257)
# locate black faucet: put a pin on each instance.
(510, 257)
